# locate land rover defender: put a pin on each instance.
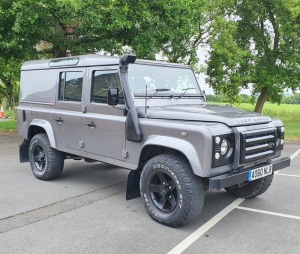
(149, 117)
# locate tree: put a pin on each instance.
(9, 80)
(57, 28)
(257, 43)
(171, 27)
(13, 51)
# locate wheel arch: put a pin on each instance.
(41, 126)
(155, 145)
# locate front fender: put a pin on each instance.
(47, 127)
(181, 145)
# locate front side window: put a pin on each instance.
(100, 84)
(70, 86)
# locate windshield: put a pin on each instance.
(162, 80)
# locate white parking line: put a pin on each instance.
(203, 229)
(287, 175)
(182, 246)
(269, 213)
(295, 154)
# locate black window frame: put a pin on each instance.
(119, 85)
(62, 87)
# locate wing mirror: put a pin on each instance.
(112, 96)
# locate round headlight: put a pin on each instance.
(224, 146)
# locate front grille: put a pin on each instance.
(257, 144)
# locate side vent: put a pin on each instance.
(24, 116)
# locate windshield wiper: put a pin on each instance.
(155, 91)
(161, 89)
(185, 90)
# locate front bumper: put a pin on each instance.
(229, 179)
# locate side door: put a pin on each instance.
(104, 125)
(67, 117)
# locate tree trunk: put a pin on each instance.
(10, 95)
(59, 51)
(261, 100)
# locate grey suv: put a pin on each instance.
(151, 118)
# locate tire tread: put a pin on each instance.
(193, 188)
(55, 158)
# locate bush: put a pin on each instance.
(294, 99)
(215, 98)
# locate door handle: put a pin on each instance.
(59, 120)
(91, 125)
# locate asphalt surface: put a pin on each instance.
(85, 211)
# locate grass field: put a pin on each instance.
(288, 113)
(8, 125)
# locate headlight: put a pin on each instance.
(222, 149)
(224, 146)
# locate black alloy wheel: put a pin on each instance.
(46, 162)
(171, 193)
(39, 158)
(163, 191)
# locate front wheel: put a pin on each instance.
(171, 193)
(251, 189)
(46, 162)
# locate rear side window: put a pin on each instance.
(70, 86)
(100, 84)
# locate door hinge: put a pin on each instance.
(83, 109)
(81, 144)
(124, 154)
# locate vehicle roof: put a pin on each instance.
(85, 61)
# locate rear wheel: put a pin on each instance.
(46, 162)
(171, 193)
(251, 189)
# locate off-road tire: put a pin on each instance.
(46, 162)
(251, 189)
(180, 199)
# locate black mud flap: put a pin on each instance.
(23, 151)
(133, 184)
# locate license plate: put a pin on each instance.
(259, 172)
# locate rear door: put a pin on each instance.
(104, 125)
(67, 117)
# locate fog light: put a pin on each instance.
(217, 140)
(281, 141)
(217, 156)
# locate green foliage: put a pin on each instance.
(9, 80)
(255, 42)
(215, 98)
(295, 99)
(242, 98)
(147, 27)
(33, 29)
